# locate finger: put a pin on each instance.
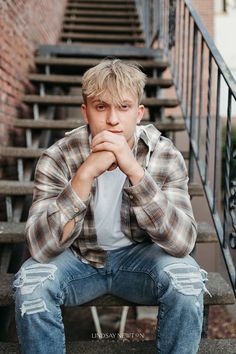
(105, 136)
(104, 146)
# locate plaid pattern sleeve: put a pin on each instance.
(54, 204)
(161, 202)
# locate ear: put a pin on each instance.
(84, 112)
(141, 110)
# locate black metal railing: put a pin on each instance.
(206, 91)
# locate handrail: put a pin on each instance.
(200, 74)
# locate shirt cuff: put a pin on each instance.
(70, 204)
(143, 192)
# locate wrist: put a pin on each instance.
(136, 175)
(82, 184)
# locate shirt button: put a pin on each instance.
(76, 210)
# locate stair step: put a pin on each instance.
(220, 290)
(69, 80)
(78, 100)
(101, 13)
(20, 152)
(100, 21)
(9, 187)
(102, 2)
(67, 124)
(98, 29)
(28, 153)
(16, 187)
(99, 51)
(100, 6)
(11, 232)
(206, 233)
(207, 346)
(101, 37)
(89, 62)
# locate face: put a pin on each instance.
(101, 114)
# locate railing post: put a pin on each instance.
(193, 102)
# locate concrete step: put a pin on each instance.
(89, 62)
(11, 232)
(91, 37)
(207, 346)
(8, 187)
(102, 29)
(69, 80)
(78, 100)
(101, 21)
(129, 15)
(220, 290)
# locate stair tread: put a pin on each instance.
(78, 100)
(20, 152)
(207, 346)
(101, 21)
(105, 7)
(12, 187)
(92, 28)
(98, 51)
(92, 36)
(220, 290)
(11, 232)
(164, 126)
(98, 13)
(88, 62)
(77, 80)
(24, 153)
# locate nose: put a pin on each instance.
(112, 117)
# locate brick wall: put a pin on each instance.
(23, 25)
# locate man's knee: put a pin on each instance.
(181, 279)
(33, 286)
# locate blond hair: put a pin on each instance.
(113, 77)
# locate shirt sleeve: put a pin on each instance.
(54, 204)
(163, 209)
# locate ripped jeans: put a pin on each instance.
(141, 273)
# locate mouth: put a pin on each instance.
(116, 131)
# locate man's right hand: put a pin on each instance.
(93, 166)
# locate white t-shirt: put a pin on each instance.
(108, 200)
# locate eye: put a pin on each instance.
(100, 107)
(124, 107)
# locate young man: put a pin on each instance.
(111, 214)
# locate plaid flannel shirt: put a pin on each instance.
(158, 209)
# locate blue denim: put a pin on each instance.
(141, 273)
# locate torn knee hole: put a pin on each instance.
(34, 275)
(30, 307)
(187, 279)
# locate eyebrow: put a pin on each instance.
(103, 102)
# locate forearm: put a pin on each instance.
(166, 215)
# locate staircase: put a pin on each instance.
(92, 30)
